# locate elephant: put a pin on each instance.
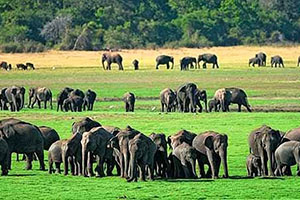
(253, 164)
(112, 129)
(208, 58)
(239, 96)
(186, 97)
(89, 100)
(129, 100)
(263, 58)
(84, 125)
(135, 64)
(287, 155)
(277, 60)
(211, 150)
(50, 136)
(187, 62)
(23, 137)
(180, 137)
(64, 94)
(77, 92)
(212, 105)
(112, 58)
(298, 64)
(15, 97)
(94, 143)
(222, 97)
(38, 95)
(4, 157)
(4, 65)
(73, 103)
(164, 60)
(184, 159)
(161, 163)
(142, 151)
(255, 61)
(168, 100)
(30, 65)
(263, 142)
(3, 99)
(22, 66)
(201, 95)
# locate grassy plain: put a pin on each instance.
(273, 94)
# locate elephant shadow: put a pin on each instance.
(20, 175)
(187, 180)
(250, 177)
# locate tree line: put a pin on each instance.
(36, 25)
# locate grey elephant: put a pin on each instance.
(135, 64)
(262, 57)
(253, 164)
(180, 137)
(239, 96)
(277, 60)
(30, 66)
(73, 103)
(89, 100)
(84, 125)
(208, 58)
(142, 151)
(3, 99)
(188, 62)
(287, 155)
(255, 61)
(129, 100)
(201, 95)
(62, 95)
(4, 65)
(211, 150)
(15, 97)
(40, 94)
(164, 60)
(298, 64)
(212, 105)
(4, 157)
(112, 58)
(77, 92)
(222, 97)
(186, 98)
(49, 135)
(21, 66)
(168, 100)
(263, 143)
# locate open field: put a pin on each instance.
(273, 94)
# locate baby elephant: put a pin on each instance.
(129, 100)
(254, 61)
(213, 105)
(253, 164)
(135, 64)
(277, 60)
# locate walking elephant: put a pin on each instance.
(84, 125)
(168, 100)
(188, 62)
(64, 94)
(277, 60)
(211, 150)
(239, 96)
(38, 95)
(15, 97)
(129, 100)
(112, 58)
(263, 143)
(262, 57)
(73, 103)
(4, 157)
(164, 60)
(208, 58)
(222, 97)
(89, 100)
(186, 98)
(255, 61)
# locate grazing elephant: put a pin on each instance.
(22, 66)
(253, 164)
(4, 157)
(212, 105)
(164, 60)
(23, 137)
(129, 100)
(239, 96)
(112, 58)
(142, 151)
(77, 92)
(287, 155)
(4, 65)
(255, 61)
(73, 103)
(187, 62)
(262, 57)
(50, 136)
(186, 98)
(277, 60)
(135, 64)
(263, 143)
(168, 100)
(64, 94)
(30, 65)
(89, 100)
(161, 164)
(208, 58)
(201, 95)
(211, 150)
(15, 97)
(94, 143)
(84, 125)
(298, 64)
(180, 137)
(38, 95)
(222, 97)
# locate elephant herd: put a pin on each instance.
(261, 58)
(6, 66)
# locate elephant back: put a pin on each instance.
(180, 137)
(86, 124)
(50, 136)
(199, 141)
(293, 135)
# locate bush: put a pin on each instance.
(25, 47)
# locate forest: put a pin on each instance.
(37, 25)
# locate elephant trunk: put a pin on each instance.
(14, 104)
(270, 157)
(65, 161)
(132, 168)
(223, 156)
(84, 161)
(22, 101)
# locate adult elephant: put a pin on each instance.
(277, 60)
(262, 57)
(188, 62)
(208, 58)
(222, 97)
(168, 100)
(186, 98)
(263, 143)
(164, 60)
(77, 92)
(23, 137)
(89, 100)
(64, 94)
(112, 58)
(50, 136)
(38, 95)
(84, 125)
(3, 99)
(180, 137)
(4, 157)
(129, 100)
(15, 97)
(73, 103)
(239, 96)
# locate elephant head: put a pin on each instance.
(180, 137)
(86, 124)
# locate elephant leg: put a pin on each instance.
(57, 167)
(201, 168)
(218, 164)
(50, 162)
(39, 103)
(239, 107)
(217, 65)
(33, 103)
(71, 163)
(40, 155)
(100, 170)
(90, 164)
(51, 103)
(212, 163)
(168, 66)
(29, 158)
(45, 104)
(66, 164)
(204, 65)
(120, 66)
(142, 171)
(156, 67)
(185, 168)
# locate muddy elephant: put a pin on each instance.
(110, 58)
(129, 100)
(73, 103)
(277, 60)
(64, 94)
(186, 98)
(4, 157)
(40, 94)
(253, 164)
(208, 58)
(211, 150)
(262, 57)
(89, 100)
(142, 151)
(201, 95)
(263, 143)
(15, 97)
(23, 137)
(188, 62)
(84, 125)
(254, 61)
(161, 164)
(222, 98)
(239, 96)
(164, 60)
(94, 143)
(168, 100)
(135, 64)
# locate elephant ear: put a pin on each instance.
(8, 131)
(208, 142)
(14, 91)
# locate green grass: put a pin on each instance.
(266, 88)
